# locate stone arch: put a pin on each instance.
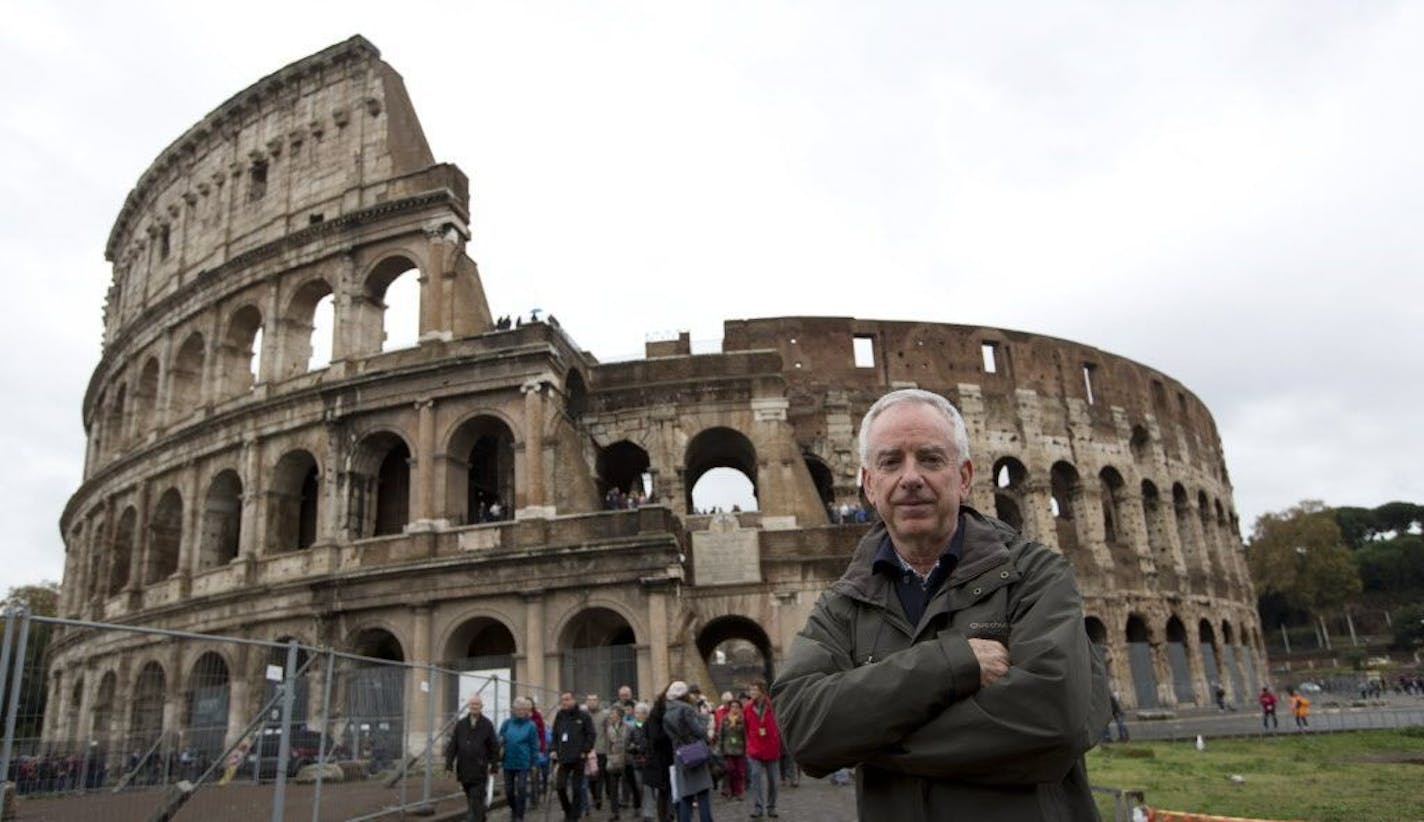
(622, 465)
(599, 653)
(115, 418)
(400, 270)
(121, 555)
(1112, 502)
(381, 484)
(1139, 658)
(165, 541)
(480, 461)
(1066, 499)
(1206, 637)
(1177, 658)
(294, 501)
(479, 642)
(822, 478)
(222, 521)
(374, 695)
(103, 712)
(207, 702)
(146, 720)
(1010, 478)
(737, 652)
(185, 385)
(718, 447)
(1231, 655)
(299, 327)
(145, 397)
(1155, 517)
(240, 358)
(575, 395)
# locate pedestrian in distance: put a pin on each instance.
(473, 754)
(1268, 708)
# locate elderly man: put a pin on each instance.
(950, 663)
(473, 753)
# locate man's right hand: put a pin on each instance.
(993, 660)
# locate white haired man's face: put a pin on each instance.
(914, 477)
(475, 705)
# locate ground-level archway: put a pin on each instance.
(374, 696)
(737, 652)
(1139, 659)
(484, 646)
(598, 653)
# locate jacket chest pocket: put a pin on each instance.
(984, 618)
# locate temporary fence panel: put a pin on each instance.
(1181, 672)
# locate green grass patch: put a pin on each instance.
(1339, 776)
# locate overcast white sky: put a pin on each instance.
(1231, 192)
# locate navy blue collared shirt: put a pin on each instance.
(915, 591)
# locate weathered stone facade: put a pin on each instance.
(349, 505)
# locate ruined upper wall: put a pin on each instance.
(303, 145)
(818, 356)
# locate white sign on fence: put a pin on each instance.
(493, 687)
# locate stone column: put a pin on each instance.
(1037, 511)
(437, 301)
(425, 463)
(416, 697)
(535, 499)
(534, 641)
(657, 640)
(239, 696)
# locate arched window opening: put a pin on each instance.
(1177, 658)
(375, 698)
(295, 498)
(714, 460)
(1097, 631)
(1111, 492)
(599, 653)
(1067, 492)
(310, 328)
(242, 352)
(394, 286)
(483, 647)
(484, 475)
(146, 721)
(125, 539)
(1154, 516)
(207, 706)
(393, 491)
(623, 475)
(1006, 508)
(146, 396)
(824, 481)
(104, 708)
(1139, 657)
(222, 521)
(1181, 512)
(381, 485)
(1206, 636)
(737, 652)
(165, 537)
(576, 396)
(186, 382)
(114, 422)
(1141, 444)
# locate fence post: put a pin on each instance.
(429, 730)
(325, 726)
(15, 687)
(405, 737)
(5, 654)
(284, 739)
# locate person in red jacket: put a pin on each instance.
(1268, 708)
(763, 749)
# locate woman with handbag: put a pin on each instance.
(691, 756)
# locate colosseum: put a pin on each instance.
(447, 501)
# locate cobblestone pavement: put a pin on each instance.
(815, 800)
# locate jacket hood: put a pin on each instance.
(986, 544)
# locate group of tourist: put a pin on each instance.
(652, 760)
(847, 514)
(617, 500)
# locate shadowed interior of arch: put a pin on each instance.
(737, 651)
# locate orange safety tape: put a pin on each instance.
(1159, 815)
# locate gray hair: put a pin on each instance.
(523, 702)
(944, 406)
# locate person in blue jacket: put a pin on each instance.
(519, 739)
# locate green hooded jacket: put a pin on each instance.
(902, 704)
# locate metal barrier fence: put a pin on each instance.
(159, 724)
